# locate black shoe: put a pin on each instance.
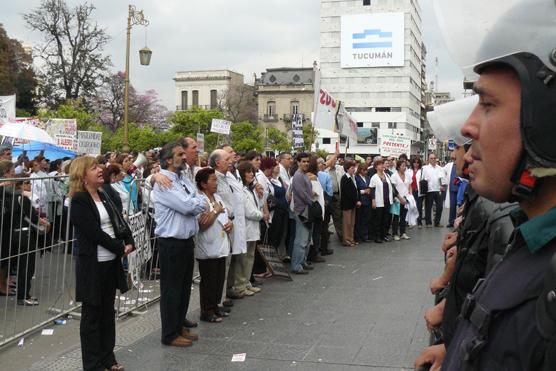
(327, 252)
(190, 324)
(224, 309)
(307, 267)
(378, 240)
(301, 271)
(318, 259)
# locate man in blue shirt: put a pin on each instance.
(326, 183)
(176, 209)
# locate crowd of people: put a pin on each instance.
(213, 209)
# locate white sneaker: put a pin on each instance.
(396, 238)
(405, 237)
(254, 289)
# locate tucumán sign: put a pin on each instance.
(375, 55)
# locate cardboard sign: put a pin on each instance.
(89, 142)
(392, 145)
(273, 261)
(220, 126)
(142, 253)
(200, 142)
(64, 132)
(7, 108)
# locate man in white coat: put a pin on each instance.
(239, 244)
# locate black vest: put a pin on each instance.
(497, 330)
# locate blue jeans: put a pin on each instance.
(300, 244)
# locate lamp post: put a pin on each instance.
(134, 17)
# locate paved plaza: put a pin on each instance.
(361, 310)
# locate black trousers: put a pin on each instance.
(97, 329)
(316, 247)
(436, 198)
(381, 221)
(399, 223)
(213, 275)
(176, 274)
(362, 223)
(25, 249)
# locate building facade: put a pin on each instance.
(372, 56)
(204, 89)
(283, 92)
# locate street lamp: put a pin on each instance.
(134, 17)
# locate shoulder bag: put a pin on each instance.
(423, 184)
(121, 228)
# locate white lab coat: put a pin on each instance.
(239, 244)
(253, 215)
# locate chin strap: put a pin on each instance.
(525, 186)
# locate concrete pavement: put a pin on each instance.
(361, 310)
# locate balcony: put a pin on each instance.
(270, 118)
(205, 107)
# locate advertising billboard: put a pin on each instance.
(367, 136)
(372, 40)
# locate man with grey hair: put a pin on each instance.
(335, 172)
(6, 152)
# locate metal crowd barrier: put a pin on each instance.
(25, 243)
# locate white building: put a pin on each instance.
(371, 59)
(204, 89)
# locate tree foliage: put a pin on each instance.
(140, 138)
(277, 140)
(239, 103)
(74, 65)
(144, 109)
(309, 136)
(73, 109)
(16, 72)
(193, 121)
(247, 136)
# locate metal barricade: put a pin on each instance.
(37, 258)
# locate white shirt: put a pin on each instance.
(39, 191)
(104, 255)
(213, 242)
(285, 175)
(376, 183)
(435, 176)
(402, 186)
(253, 214)
(124, 196)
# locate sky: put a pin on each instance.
(246, 36)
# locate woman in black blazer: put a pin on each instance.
(350, 199)
(98, 267)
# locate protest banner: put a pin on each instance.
(273, 262)
(346, 123)
(297, 131)
(220, 126)
(7, 108)
(89, 142)
(142, 253)
(64, 132)
(326, 108)
(392, 145)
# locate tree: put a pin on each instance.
(246, 137)
(239, 103)
(277, 140)
(144, 109)
(309, 136)
(16, 73)
(73, 109)
(193, 121)
(74, 65)
(140, 139)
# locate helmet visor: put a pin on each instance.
(447, 119)
(480, 31)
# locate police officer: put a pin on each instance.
(511, 45)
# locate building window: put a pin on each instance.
(366, 2)
(382, 109)
(375, 125)
(294, 105)
(271, 108)
(359, 124)
(213, 99)
(184, 100)
(326, 141)
(392, 125)
(195, 102)
(396, 109)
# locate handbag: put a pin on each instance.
(395, 208)
(121, 228)
(315, 211)
(423, 184)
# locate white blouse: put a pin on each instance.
(103, 254)
(402, 186)
(213, 242)
(376, 183)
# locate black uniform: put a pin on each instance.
(497, 330)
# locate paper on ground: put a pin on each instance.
(240, 357)
(47, 331)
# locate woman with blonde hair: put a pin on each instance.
(102, 240)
